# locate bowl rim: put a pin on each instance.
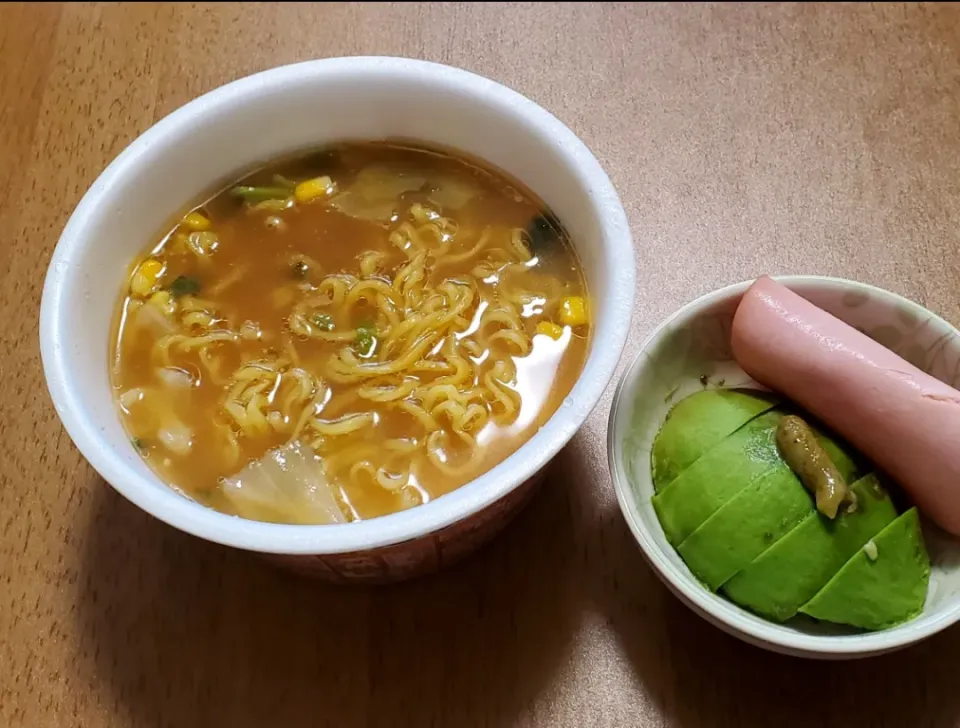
(726, 615)
(458, 505)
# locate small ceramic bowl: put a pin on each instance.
(690, 351)
(219, 136)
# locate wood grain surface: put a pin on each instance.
(743, 139)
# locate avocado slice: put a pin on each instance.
(697, 423)
(753, 520)
(788, 574)
(883, 584)
(716, 477)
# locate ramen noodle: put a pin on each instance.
(348, 334)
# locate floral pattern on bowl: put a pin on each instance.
(691, 351)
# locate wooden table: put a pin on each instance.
(743, 139)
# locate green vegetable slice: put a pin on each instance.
(280, 181)
(544, 233)
(788, 574)
(183, 286)
(883, 584)
(366, 338)
(698, 423)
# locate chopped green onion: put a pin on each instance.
(322, 321)
(544, 233)
(183, 285)
(138, 444)
(272, 205)
(366, 338)
(280, 181)
(260, 194)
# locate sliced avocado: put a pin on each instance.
(753, 520)
(746, 526)
(788, 574)
(883, 584)
(697, 423)
(716, 477)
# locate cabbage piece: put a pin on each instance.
(151, 319)
(175, 436)
(286, 485)
(452, 193)
(175, 377)
(374, 193)
(132, 397)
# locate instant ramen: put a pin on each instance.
(348, 334)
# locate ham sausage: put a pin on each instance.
(904, 420)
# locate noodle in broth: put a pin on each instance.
(348, 334)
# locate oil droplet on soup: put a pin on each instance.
(348, 334)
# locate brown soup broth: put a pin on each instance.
(408, 314)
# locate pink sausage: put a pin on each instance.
(904, 420)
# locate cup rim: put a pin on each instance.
(471, 498)
(726, 615)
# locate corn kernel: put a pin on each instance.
(573, 311)
(178, 243)
(145, 278)
(164, 301)
(311, 189)
(548, 328)
(196, 222)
